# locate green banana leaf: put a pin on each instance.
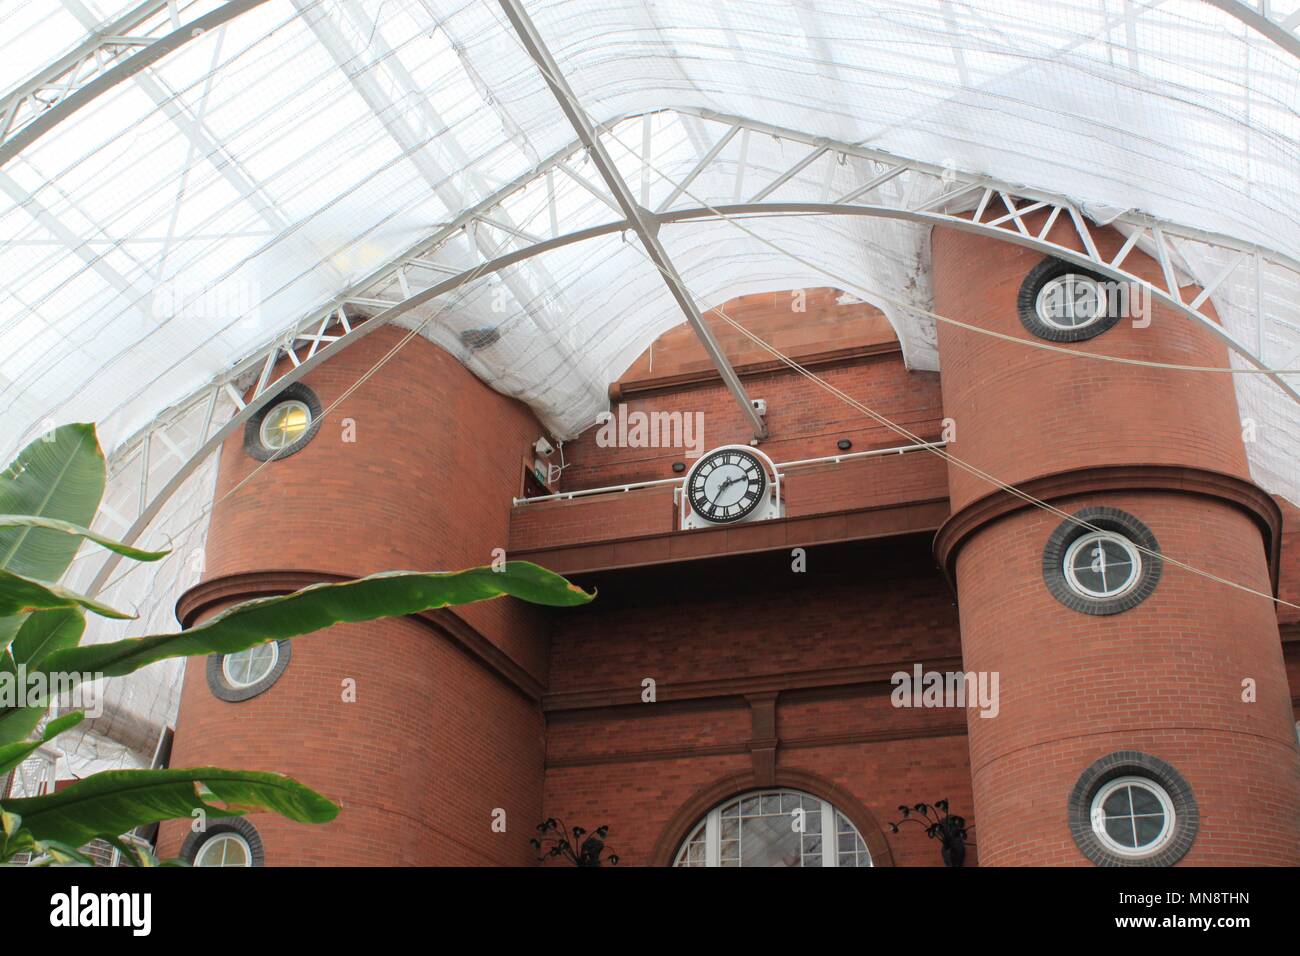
(47, 631)
(13, 838)
(117, 801)
(41, 633)
(60, 476)
(53, 853)
(389, 594)
(77, 531)
(19, 596)
(11, 755)
(16, 722)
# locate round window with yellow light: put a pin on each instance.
(285, 425)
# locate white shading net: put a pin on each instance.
(214, 202)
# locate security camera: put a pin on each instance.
(543, 448)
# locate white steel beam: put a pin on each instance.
(641, 220)
(1259, 16)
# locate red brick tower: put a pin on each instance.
(445, 726)
(1146, 685)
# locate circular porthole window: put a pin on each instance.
(1102, 565)
(285, 426)
(1133, 816)
(1132, 809)
(1064, 303)
(1103, 562)
(247, 673)
(227, 841)
(1071, 301)
(246, 668)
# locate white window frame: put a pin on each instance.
(1068, 280)
(269, 417)
(220, 838)
(1097, 815)
(1135, 564)
(241, 684)
(829, 828)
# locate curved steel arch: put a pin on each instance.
(1285, 33)
(88, 57)
(266, 389)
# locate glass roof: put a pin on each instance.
(276, 160)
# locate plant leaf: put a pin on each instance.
(16, 722)
(41, 633)
(20, 596)
(77, 531)
(47, 631)
(11, 755)
(61, 476)
(20, 841)
(55, 853)
(390, 594)
(133, 854)
(114, 802)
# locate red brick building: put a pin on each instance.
(734, 677)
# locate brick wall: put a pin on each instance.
(421, 488)
(435, 740)
(1164, 677)
(850, 346)
(823, 641)
(765, 676)
(433, 743)
(1022, 412)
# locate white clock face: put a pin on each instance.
(726, 485)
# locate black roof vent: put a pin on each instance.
(479, 338)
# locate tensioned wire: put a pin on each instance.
(876, 416)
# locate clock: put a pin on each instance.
(726, 485)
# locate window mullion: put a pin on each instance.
(713, 838)
(830, 836)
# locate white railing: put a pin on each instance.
(781, 467)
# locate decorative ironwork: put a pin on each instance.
(555, 839)
(950, 830)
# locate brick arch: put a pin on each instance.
(706, 798)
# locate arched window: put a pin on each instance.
(774, 828)
(224, 849)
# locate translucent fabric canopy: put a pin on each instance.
(163, 236)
